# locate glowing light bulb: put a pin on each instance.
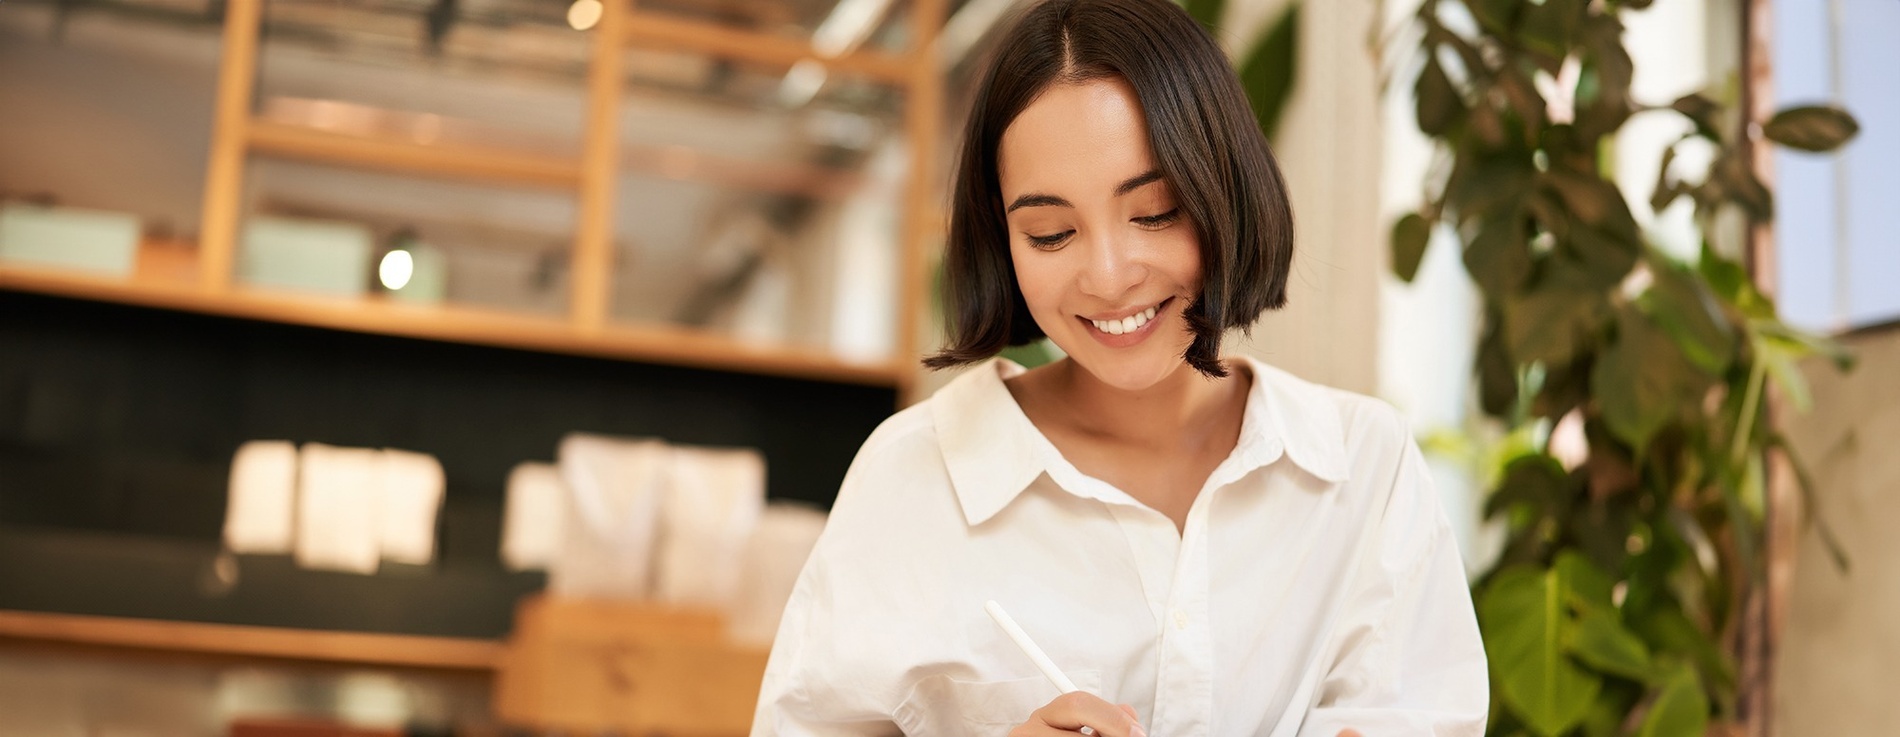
(396, 269)
(583, 14)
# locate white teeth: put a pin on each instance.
(1127, 324)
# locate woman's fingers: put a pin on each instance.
(1073, 711)
(1349, 733)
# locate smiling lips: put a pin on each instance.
(1127, 326)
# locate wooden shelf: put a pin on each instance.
(390, 154)
(652, 344)
(655, 30)
(412, 651)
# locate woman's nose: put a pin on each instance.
(1111, 268)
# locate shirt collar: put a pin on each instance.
(993, 452)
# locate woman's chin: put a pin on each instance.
(1132, 373)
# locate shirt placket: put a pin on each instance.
(1184, 689)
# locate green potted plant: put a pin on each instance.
(1616, 602)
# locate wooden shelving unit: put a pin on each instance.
(654, 344)
(585, 330)
(352, 648)
(456, 162)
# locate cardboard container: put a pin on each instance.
(66, 237)
(309, 255)
(596, 667)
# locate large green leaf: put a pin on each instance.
(1639, 379)
(1589, 587)
(1439, 105)
(1497, 17)
(1813, 128)
(1680, 710)
(1725, 277)
(1702, 111)
(1484, 185)
(1603, 87)
(1409, 237)
(1499, 258)
(1686, 309)
(1732, 177)
(1668, 630)
(1600, 257)
(1208, 12)
(1551, 322)
(1601, 642)
(1267, 72)
(1523, 616)
(1497, 373)
(1033, 354)
(1591, 198)
(1549, 29)
(1668, 188)
(1535, 479)
(1611, 710)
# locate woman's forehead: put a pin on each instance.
(1076, 139)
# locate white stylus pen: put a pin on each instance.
(1029, 647)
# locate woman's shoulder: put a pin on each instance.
(967, 404)
(1361, 422)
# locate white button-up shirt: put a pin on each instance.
(1316, 585)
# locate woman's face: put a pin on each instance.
(1104, 256)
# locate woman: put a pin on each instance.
(1205, 546)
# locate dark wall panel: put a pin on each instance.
(122, 421)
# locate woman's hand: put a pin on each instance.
(1071, 712)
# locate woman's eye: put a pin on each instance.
(1157, 221)
(1049, 241)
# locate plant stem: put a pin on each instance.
(1757, 375)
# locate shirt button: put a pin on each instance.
(1180, 619)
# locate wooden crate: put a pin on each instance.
(633, 669)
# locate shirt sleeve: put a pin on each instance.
(1409, 659)
(805, 693)
(825, 675)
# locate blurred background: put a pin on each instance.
(376, 367)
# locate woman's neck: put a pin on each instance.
(1182, 409)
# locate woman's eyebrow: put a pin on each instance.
(1036, 200)
(1136, 182)
(1046, 200)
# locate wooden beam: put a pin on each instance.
(414, 651)
(224, 171)
(1764, 605)
(697, 165)
(407, 157)
(658, 344)
(923, 123)
(650, 29)
(593, 264)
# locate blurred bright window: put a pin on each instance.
(1837, 229)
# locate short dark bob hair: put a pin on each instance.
(1207, 145)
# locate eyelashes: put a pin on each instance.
(1156, 221)
(1150, 222)
(1049, 241)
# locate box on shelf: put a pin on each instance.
(593, 667)
(90, 240)
(312, 255)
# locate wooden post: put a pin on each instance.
(593, 264)
(923, 121)
(1764, 609)
(224, 173)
